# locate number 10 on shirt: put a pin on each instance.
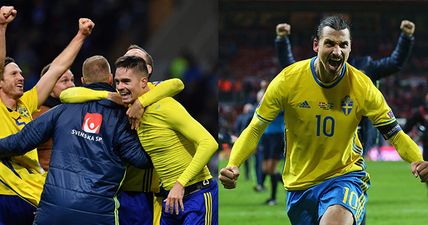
(325, 125)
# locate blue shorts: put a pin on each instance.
(200, 208)
(350, 191)
(15, 211)
(136, 208)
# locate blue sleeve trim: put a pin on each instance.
(262, 118)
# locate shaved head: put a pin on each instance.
(96, 69)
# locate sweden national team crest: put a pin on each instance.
(347, 104)
(22, 111)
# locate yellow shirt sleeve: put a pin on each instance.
(167, 88)
(247, 142)
(268, 109)
(31, 100)
(181, 121)
(381, 114)
(82, 94)
(406, 147)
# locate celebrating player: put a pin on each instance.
(323, 99)
(179, 147)
(137, 203)
(65, 81)
(91, 144)
(21, 177)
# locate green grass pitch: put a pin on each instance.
(395, 198)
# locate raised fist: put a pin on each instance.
(7, 14)
(85, 26)
(283, 29)
(407, 27)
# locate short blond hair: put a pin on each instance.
(96, 69)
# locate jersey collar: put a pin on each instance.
(324, 85)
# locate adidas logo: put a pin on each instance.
(304, 104)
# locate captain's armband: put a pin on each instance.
(389, 130)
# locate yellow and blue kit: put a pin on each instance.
(322, 120)
(180, 149)
(20, 175)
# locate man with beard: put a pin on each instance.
(323, 99)
(374, 69)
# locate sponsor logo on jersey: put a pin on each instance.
(304, 104)
(92, 123)
(347, 105)
(86, 136)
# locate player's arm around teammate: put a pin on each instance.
(167, 88)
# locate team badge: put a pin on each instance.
(347, 104)
(22, 111)
(92, 123)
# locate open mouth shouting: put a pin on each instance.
(335, 63)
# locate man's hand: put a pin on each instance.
(7, 14)
(228, 176)
(85, 26)
(420, 169)
(135, 113)
(407, 27)
(115, 97)
(175, 199)
(283, 29)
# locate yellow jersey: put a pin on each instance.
(21, 175)
(178, 145)
(321, 120)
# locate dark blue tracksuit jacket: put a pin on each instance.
(375, 69)
(92, 143)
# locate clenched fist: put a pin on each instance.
(7, 14)
(283, 29)
(407, 27)
(420, 169)
(228, 176)
(85, 26)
